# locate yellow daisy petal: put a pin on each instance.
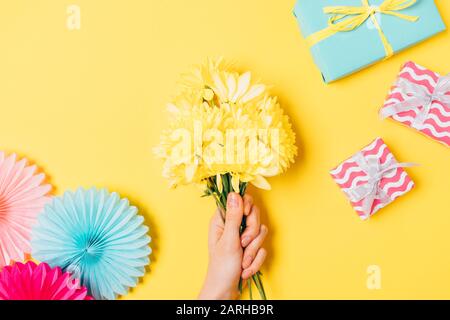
(219, 183)
(253, 93)
(261, 183)
(243, 84)
(231, 83)
(173, 109)
(235, 183)
(208, 94)
(190, 172)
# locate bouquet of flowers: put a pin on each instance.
(225, 131)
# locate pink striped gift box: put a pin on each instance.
(420, 99)
(372, 178)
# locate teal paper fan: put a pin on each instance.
(96, 236)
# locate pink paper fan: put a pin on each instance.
(39, 282)
(22, 197)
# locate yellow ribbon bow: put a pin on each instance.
(348, 18)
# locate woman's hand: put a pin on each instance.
(233, 256)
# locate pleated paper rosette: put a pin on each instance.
(98, 237)
(23, 195)
(39, 282)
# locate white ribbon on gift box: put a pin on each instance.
(371, 190)
(418, 96)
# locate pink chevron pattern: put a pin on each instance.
(349, 175)
(437, 125)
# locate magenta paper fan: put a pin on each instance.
(23, 196)
(39, 282)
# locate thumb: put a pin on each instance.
(234, 215)
(215, 229)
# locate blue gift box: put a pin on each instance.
(346, 52)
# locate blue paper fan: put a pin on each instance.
(96, 236)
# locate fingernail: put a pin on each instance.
(233, 201)
(245, 241)
(247, 262)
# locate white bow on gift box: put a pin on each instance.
(419, 99)
(371, 190)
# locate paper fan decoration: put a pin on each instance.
(23, 196)
(39, 282)
(98, 237)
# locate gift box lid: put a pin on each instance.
(347, 52)
(432, 118)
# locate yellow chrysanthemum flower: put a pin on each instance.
(225, 131)
(224, 122)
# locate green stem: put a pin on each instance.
(257, 279)
(249, 284)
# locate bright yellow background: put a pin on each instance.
(87, 106)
